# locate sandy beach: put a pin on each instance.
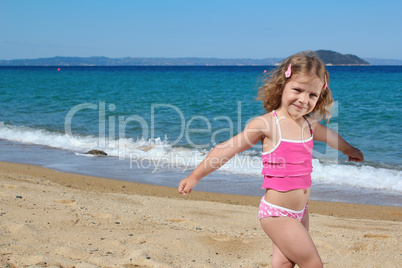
(55, 219)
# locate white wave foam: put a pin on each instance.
(357, 176)
(162, 155)
(37, 136)
(349, 175)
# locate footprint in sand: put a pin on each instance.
(220, 238)
(66, 201)
(183, 221)
(376, 236)
(9, 186)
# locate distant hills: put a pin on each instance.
(329, 57)
(104, 61)
(334, 58)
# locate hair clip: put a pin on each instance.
(288, 72)
(326, 83)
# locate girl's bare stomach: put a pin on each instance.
(294, 199)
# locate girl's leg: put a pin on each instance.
(280, 260)
(292, 241)
(306, 220)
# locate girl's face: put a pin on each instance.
(301, 94)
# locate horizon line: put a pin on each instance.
(181, 57)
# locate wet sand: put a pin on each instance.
(55, 219)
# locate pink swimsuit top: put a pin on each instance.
(288, 166)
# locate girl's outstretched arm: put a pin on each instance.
(223, 152)
(334, 140)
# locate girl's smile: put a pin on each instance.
(300, 95)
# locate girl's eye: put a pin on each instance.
(313, 95)
(296, 89)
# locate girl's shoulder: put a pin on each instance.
(311, 119)
(313, 122)
(265, 117)
(262, 122)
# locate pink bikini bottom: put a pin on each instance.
(271, 210)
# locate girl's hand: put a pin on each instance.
(354, 154)
(187, 185)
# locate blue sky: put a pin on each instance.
(189, 28)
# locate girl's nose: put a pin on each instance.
(303, 98)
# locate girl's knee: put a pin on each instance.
(282, 263)
(314, 263)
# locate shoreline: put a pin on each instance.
(155, 173)
(56, 219)
(107, 185)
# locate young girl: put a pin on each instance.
(295, 96)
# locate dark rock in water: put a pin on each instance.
(96, 152)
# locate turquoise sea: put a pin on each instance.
(157, 123)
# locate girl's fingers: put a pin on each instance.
(182, 188)
(187, 185)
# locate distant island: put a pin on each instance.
(334, 58)
(329, 58)
(104, 61)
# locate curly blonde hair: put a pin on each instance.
(305, 63)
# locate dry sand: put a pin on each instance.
(55, 219)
